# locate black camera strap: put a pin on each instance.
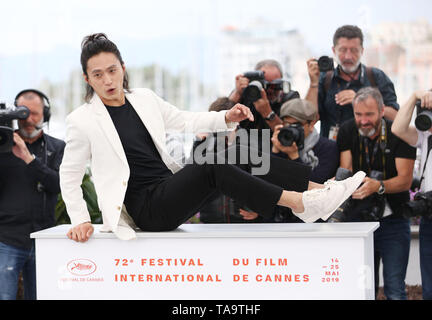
(381, 143)
(427, 157)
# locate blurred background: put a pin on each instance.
(189, 51)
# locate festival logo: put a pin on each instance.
(81, 267)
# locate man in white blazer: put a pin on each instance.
(121, 132)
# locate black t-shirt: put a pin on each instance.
(350, 139)
(145, 163)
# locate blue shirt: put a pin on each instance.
(332, 114)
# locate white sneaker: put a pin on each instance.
(322, 203)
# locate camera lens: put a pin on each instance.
(252, 92)
(423, 122)
(325, 64)
(287, 136)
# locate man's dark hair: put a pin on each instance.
(349, 32)
(220, 104)
(93, 45)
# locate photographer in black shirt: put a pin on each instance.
(367, 143)
(29, 187)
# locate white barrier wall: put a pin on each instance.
(209, 262)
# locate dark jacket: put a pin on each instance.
(29, 193)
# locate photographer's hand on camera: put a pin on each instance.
(313, 71)
(290, 151)
(401, 125)
(314, 75)
(20, 149)
(425, 97)
(241, 82)
(369, 187)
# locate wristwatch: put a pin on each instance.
(381, 189)
(270, 116)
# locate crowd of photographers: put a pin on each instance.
(362, 128)
(356, 106)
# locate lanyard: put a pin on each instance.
(381, 142)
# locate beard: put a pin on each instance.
(348, 70)
(37, 130)
(369, 131)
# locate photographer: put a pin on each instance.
(221, 208)
(332, 89)
(367, 143)
(275, 92)
(421, 137)
(310, 148)
(301, 142)
(29, 187)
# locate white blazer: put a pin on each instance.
(92, 136)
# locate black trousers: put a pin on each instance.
(174, 200)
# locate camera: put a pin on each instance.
(278, 91)
(257, 82)
(421, 206)
(423, 121)
(7, 115)
(352, 210)
(252, 92)
(292, 133)
(340, 215)
(325, 64)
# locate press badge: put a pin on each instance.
(334, 130)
